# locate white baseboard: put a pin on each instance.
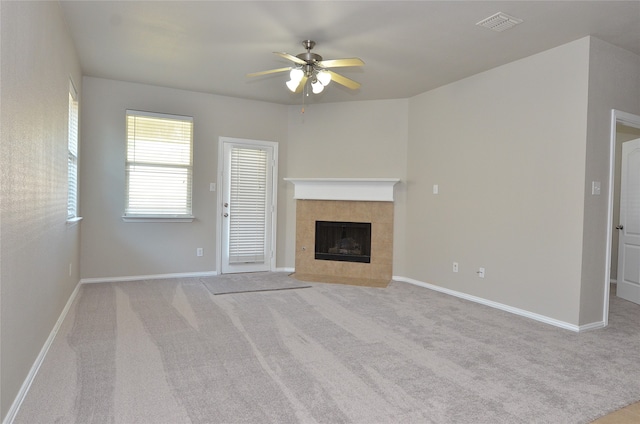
(162, 276)
(591, 326)
(148, 277)
(24, 389)
(290, 270)
(503, 307)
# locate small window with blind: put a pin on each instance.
(72, 157)
(159, 166)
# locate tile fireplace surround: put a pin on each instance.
(345, 200)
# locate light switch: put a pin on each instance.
(435, 189)
(595, 188)
(212, 186)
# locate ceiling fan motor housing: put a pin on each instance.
(309, 57)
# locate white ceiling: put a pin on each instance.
(408, 47)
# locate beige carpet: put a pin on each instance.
(169, 351)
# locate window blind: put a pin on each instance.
(72, 161)
(247, 206)
(159, 166)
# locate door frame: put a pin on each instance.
(628, 119)
(219, 197)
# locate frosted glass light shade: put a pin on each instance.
(317, 87)
(293, 85)
(324, 77)
(296, 74)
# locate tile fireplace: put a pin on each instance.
(359, 223)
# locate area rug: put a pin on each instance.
(251, 282)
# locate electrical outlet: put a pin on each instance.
(455, 267)
(199, 251)
(481, 272)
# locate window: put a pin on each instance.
(72, 161)
(159, 166)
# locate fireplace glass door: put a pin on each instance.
(343, 241)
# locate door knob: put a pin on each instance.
(225, 215)
(226, 205)
(619, 227)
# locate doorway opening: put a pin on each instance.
(624, 127)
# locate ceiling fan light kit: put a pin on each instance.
(324, 77)
(296, 74)
(316, 86)
(293, 85)
(311, 67)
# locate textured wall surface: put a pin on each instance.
(507, 149)
(113, 248)
(39, 250)
(366, 139)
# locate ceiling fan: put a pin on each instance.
(311, 67)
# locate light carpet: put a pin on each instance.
(168, 351)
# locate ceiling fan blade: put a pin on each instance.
(349, 83)
(340, 63)
(303, 82)
(270, 71)
(291, 58)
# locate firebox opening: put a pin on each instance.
(343, 241)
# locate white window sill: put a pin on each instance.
(158, 218)
(74, 221)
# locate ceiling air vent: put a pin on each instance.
(499, 22)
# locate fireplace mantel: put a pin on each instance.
(354, 189)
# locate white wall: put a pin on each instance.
(507, 149)
(113, 248)
(365, 139)
(614, 83)
(38, 247)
